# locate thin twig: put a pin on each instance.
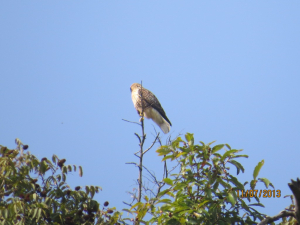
(127, 204)
(136, 154)
(154, 178)
(152, 144)
(138, 136)
(133, 163)
(131, 122)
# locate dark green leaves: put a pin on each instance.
(36, 191)
(238, 166)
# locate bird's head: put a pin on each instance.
(134, 86)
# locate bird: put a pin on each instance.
(144, 100)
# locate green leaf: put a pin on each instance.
(64, 169)
(34, 196)
(142, 213)
(238, 166)
(39, 213)
(175, 144)
(165, 200)
(244, 205)
(87, 190)
(217, 155)
(265, 181)
(239, 156)
(253, 184)
(228, 146)
(257, 169)
(179, 186)
(231, 199)
(139, 204)
(35, 212)
(215, 186)
(235, 181)
(54, 157)
(168, 181)
(189, 137)
(17, 141)
(180, 154)
(5, 213)
(64, 177)
(80, 171)
(92, 191)
(162, 193)
(203, 203)
(167, 157)
(224, 184)
(217, 148)
(163, 150)
(191, 157)
(146, 198)
(257, 204)
(229, 154)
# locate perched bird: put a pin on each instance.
(145, 100)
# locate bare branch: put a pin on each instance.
(127, 203)
(174, 167)
(149, 190)
(136, 154)
(152, 144)
(153, 176)
(131, 122)
(165, 174)
(133, 163)
(282, 214)
(141, 148)
(138, 136)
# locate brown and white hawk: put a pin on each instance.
(152, 107)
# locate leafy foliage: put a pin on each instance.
(203, 191)
(34, 191)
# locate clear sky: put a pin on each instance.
(223, 70)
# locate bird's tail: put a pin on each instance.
(165, 127)
(158, 119)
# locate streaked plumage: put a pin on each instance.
(151, 105)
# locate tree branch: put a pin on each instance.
(295, 188)
(141, 148)
(153, 176)
(282, 214)
(138, 136)
(152, 144)
(133, 163)
(131, 122)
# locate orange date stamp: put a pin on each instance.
(259, 193)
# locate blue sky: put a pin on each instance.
(223, 70)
